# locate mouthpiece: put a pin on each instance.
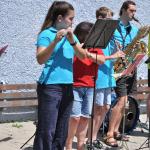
(135, 19)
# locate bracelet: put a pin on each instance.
(73, 44)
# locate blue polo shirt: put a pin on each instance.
(105, 71)
(58, 68)
(124, 35)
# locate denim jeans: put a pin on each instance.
(54, 106)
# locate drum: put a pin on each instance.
(131, 116)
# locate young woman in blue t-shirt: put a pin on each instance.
(56, 46)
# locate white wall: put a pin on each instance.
(20, 24)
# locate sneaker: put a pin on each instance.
(97, 144)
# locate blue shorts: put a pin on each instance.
(103, 96)
(82, 104)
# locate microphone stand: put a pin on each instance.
(91, 146)
(27, 141)
(98, 37)
(35, 123)
(148, 139)
(123, 143)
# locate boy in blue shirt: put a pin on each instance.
(105, 81)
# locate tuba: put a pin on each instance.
(131, 51)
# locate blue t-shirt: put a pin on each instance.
(105, 71)
(58, 68)
(124, 35)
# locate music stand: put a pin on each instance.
(148, 139)
(101, 33)
(99, 37)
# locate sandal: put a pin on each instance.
(96, 144)
(120, 137)
(110, 141)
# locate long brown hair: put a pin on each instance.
(125, 6)
(56, 9)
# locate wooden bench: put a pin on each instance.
(143, 90)
(18, 95)
(21, 95)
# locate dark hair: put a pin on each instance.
(56, 9)
(125, 6)
(82, 30)
(103, 11)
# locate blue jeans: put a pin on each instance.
(54, 106)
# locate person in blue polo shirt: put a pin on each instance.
(104, 83)
(124, 35)
(56, 46)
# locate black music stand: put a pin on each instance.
(148, 139)
(101, 33)
(99, 37)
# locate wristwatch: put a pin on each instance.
(73, 44)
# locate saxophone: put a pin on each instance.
(134, 48)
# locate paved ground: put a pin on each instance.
(14, 135)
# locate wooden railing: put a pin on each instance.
(17, 95)
(20, 95)
(143, 90)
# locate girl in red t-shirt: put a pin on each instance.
(84, 72)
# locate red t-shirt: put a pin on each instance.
(85, 70)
